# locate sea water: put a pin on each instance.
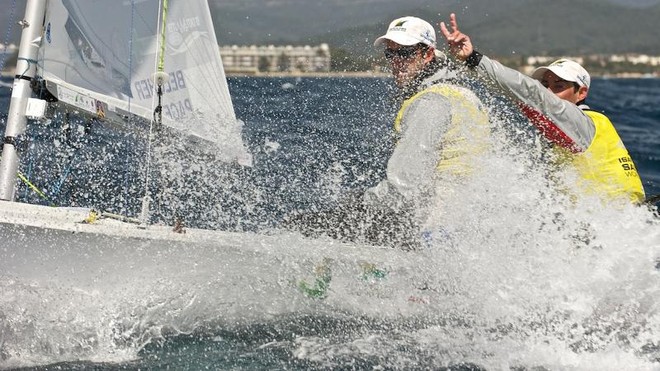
(519, 278)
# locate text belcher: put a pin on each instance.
(145, 89)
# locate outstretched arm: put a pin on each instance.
(563, 122)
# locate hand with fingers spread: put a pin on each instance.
(459, 43)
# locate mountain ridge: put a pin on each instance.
(521, 27)
(509, 27)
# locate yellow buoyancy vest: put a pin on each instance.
(606, 166)
(468, 132)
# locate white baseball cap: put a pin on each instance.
(567, 70)
(409, 31)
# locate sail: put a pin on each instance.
(101, 55)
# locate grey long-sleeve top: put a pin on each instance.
(411, 170)
(566, 116)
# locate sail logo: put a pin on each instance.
(184, 25)
(76, 99)
(183, 33)
(48, 33)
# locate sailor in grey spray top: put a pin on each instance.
(433, 106)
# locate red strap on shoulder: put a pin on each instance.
(548, 128)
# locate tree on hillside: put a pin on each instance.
(284, 62)
(345, 61)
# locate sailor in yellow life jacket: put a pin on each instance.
(554, 99)
(605, 166)
(441, 126)
(441, 129)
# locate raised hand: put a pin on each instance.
(459, 43)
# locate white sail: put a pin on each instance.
(101, 56)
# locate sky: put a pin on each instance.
(13, 9)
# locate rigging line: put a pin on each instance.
(131, 117)
(34, 188)
(160, 75)
(67, 170)
(56, 189)
(27, 68)
(161, 59)
(28, 172)
(30, 154)
(7, 33)
(157, 119)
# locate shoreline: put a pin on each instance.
(371, 74)
(629, 75)
(310, 74)
(374, 74)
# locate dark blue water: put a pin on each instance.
(309, 142)
(633, 106)
(312, 140)
(356, 114)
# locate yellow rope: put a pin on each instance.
(92, 217)
(161, 58)
(33, 187)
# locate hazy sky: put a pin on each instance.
(14, 9)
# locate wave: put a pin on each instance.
(514, 274)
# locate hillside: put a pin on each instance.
(511, 26)
(502, 27)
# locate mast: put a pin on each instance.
(26, 68)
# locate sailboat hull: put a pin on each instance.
(253, 275)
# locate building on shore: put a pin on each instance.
(627, 65)
(275, 59)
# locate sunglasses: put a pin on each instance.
(402, 52)
(560, 85)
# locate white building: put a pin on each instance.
(545, 60)
(643, 59)
(256, 59)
